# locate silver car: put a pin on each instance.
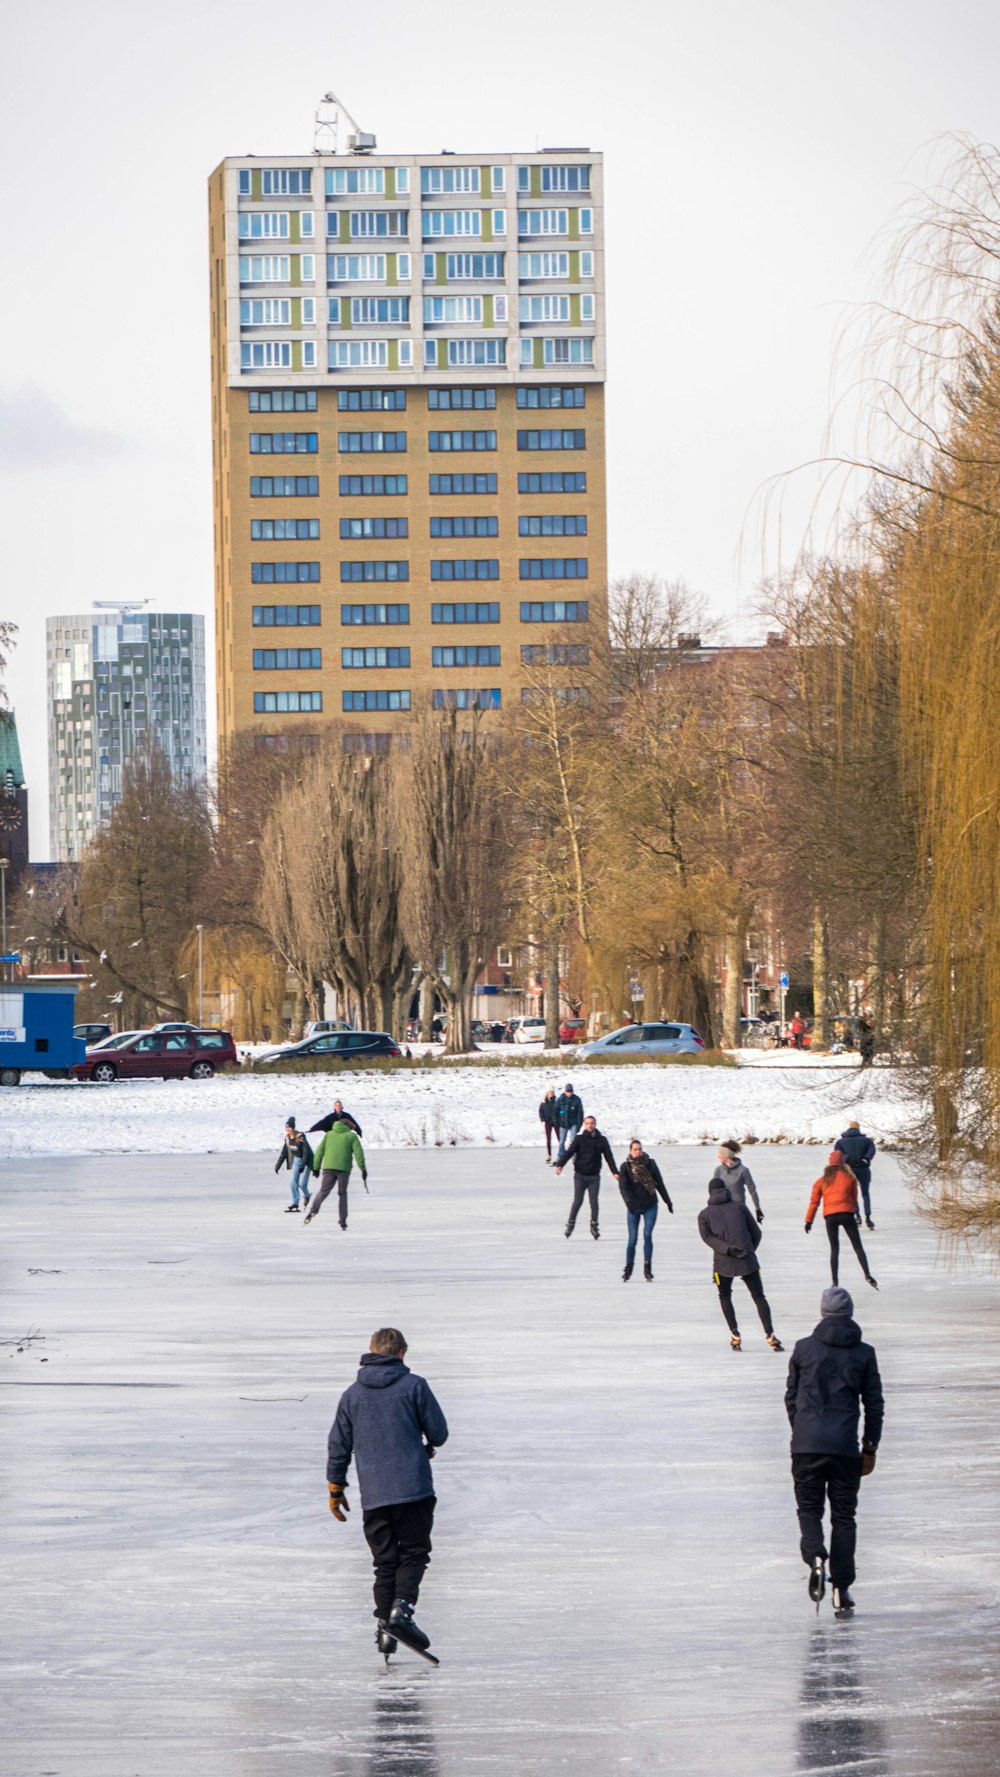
(646, 1039)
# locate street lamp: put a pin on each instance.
(201, 979)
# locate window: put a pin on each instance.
(447, 181)
(553, 440)
(499, 222)
(442, 223)
(357, 268)
(465, 570)
(465, 656)
(480, 268)
(556, 178)
(543, 265)
(380, 311)
(441, 310)
(555, 524)
(556, 654)
(561, 693)
(265, 702)
(266, 311)
(352, 485)
(498, 178)
(402, 181)
(374, 527)
(264, 225)
(285, 616)
(553, 481)
(355, 181)
(374, 700)
(267, 354)
(271, 269)
(543, 395)
(371, 400)
(531, 222)
(368, 614)
(276, 530)
(554, 567)
(371, 441)
(456, 398)
(489, 613)
(556, 611)
(463, 484)
(371, 743)
(476, 699)
(374, 570)
(269, 660)
(277, 573)
(267, 444)
(358, 354)
(365, 657)
(293, 487)
(566, 351)
(544, 308)
(282, 400)
(283, 181)
(466, 353)
(375, 224)
(438, 441)
(586, 308)
(464, 527)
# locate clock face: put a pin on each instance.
(10, 814)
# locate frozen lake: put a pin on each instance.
(616, 1585)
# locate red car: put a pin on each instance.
(162, 1055)
(572, 1030)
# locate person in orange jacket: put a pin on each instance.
(838, 1189)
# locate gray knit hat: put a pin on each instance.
(836, 1304)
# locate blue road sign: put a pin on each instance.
(783, 978)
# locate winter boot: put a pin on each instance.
(402, 1625)
(817, 1580)
(595, 1230)
(647, 1272)
(736, 1342)
(774, 1342)
(626, 1274)
(843, 1603)
(386, 1643)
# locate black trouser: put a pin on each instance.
(327, 1182)
(756, 1288)
(584, 1185)
(844, 1219)
(399, 1538)
(814, 1477)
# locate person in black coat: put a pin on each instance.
(641, 1184)
(586, 1151)
(832, 1374)
(337, 1115)
(730, 1230)
(548, 1115)
(569, 1117)
(859, 1151)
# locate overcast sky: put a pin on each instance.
(755, 150)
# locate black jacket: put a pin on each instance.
(830, 1374)
(859, 1151)
(386, 1420)
(299, 1151)
(327, 1123)
(637, 1198)
(548, 1112)
(569, 1110)
(586, 1151)
(724, 1223)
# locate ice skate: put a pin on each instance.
(568, 1229)
(386, 1643)
(871, 1281)
(309, 1218)
(843, 1603)
(595, 1230)
(736, 1343)
(647, 1272)
(817, 1580)
(774, 1342)
(870, 1226)
(292, 1210)
(626, 1274)
(402, 1626)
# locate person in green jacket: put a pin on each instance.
(335, 1155)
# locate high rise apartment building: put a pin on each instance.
(408, 428)
(117, 679)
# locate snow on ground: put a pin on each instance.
(775, 1098)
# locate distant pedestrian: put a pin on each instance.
(569, 1117)
(837, 1189)
(641, 1185)
(735, 1174)
(866, 1040)
(797, 1030)
(831, 1375)
(337, 1115)
(586, 1151)
(297, 1155)
(335, 1155)
(859, 1151)
(730, 1230)
(391, 1424)
(548, 1112)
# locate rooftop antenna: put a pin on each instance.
(326, 134)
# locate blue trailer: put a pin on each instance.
(36, 1028)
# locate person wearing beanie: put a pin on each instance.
(730, 1230)
(837, 1188)
(297, 1155)
(859, 1151)
(735, 1174)
(831, 1376)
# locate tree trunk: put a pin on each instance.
(426, 1009)
(821, 969)
(552, 991)
(733, 993)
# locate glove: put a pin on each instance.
(431, 1452)
(339, 1503)
(808, 1226)
(868, 1454)
(670, 1209)
(760, 1215)
(736, 1252)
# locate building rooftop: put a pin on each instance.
(10, 751)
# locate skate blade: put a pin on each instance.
(424, 1652)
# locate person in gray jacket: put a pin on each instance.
(730, 1230)
(735, 1174)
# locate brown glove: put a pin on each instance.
(339, 1503)
(868, 1454)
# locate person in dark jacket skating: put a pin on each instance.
(335, 1154)
(337, 1115)
(586, 1151)
(730, 1230)
(548, 1116)
(859, 1151)
(297, 1155)
(831, 1375)
(569, 1117)
(641, 1184)
(391, 1424)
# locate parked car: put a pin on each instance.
(181, 1024)
(116, 1042)
(646, 1039)
(353, 1045)
(92, 1033)
(159, 1054)
(322, 1027)
(571, 1030)
(530, 1030)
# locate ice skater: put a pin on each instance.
(548, 1116)
(641, 1185)
(389, 1421)
(337, 1115)
(586, 1151)
(735, 1174)
(335, 1155)
(569, 1117)
(297, 1155)
(859, 1151)
(837, 1187)
(730, 1230)
(830, 1376)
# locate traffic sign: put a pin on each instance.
(783, 978)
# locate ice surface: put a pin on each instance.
(616, 1584)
